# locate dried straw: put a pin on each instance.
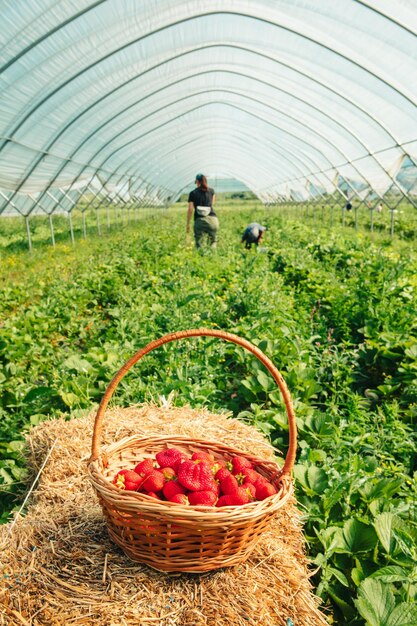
(59, 567)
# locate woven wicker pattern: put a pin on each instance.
(171, 537)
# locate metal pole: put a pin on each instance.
(71, 228)
(28, 233)
(356, 218)
(84, 225)
(108, 216)
(392, 223)
(98, 223)
(372, 219)
(51, 225)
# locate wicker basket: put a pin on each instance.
(171, 537)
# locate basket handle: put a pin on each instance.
(201, 332)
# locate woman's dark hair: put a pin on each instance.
(203, 181)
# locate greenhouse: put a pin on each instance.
(113, 100)
(208, 332)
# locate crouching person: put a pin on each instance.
(253, 234)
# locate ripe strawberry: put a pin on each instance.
(239, 463)
(144, 467)
(222, 473)
(203, 456)
(128, 480)
(171, 457)
(195, 476)
(154, 481)
(179, 498)
(202, 498)
(169, 473)
(228, 485)
(239, 496)
(250, 476)
(251, 490)
(224, 501)
(264, 490)
(152, 494)
(172, 488)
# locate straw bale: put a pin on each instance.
(59, 567)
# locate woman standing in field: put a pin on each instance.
(200, 202)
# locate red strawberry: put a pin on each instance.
(239, 463)
(169, 473)
(172, 488)
(250, 476)
(195, 476)
(229, 484)
(144, 467)
(171, 457)
(224, 501)
(222, 473)
(128, 480)
(202, 498)
(239, 496)
(152, 494)
(203, 456)
(264, 490)
(154, 481)
(251, 490)
(179, 498)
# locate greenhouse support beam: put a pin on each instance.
(71, 227)
(84, 224)
(28, 233)
(98, 223)
(51, 226)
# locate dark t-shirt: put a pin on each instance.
(202, 198)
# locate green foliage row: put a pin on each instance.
(334, 309)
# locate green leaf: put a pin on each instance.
(385, 487)
(264, 380)
(69, 398)
(347, 610)
(317, 479)
(390, 574)
(403, 615)
(375, 602)
(339, 575)
(357, 576)
(358, 537)
(383, 525)
(74, 362)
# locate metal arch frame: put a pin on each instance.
(240, 142)
(184, 21)
(307, 157)
(249, 50)
(196, 50)
(272, 147)
(256, 18)
(197, 108)
(49, 34)
(93, 6)
(100, 168)
(304, 176)
(314, 132)
(174, 193)
(222, 71)
(384, 15)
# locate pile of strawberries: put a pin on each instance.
(200, 480)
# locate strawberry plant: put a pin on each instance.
(334, 308)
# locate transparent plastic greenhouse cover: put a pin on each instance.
(128, 99)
